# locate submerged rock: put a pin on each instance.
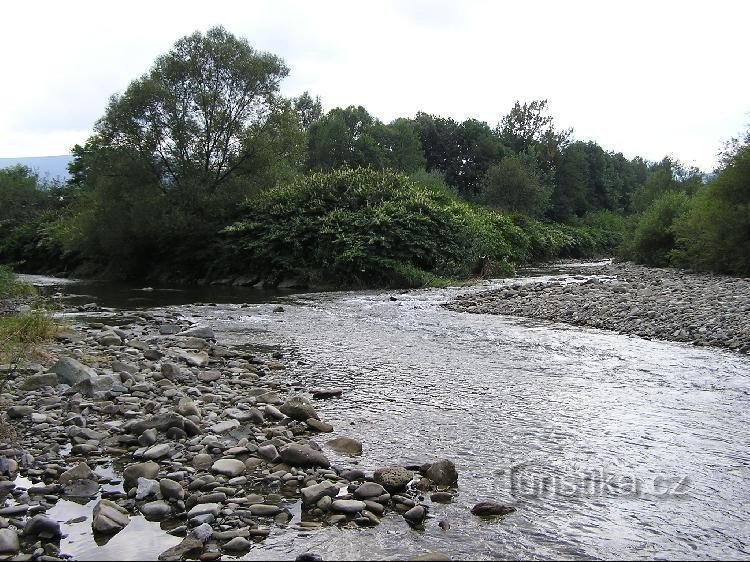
(491, 508)
(109, 518)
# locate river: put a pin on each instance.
(609, 446)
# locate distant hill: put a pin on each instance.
(52, 167)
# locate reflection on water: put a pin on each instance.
(610, 446)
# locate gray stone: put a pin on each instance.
(156, 510)
(146, 487)
(369, 490)
(71, 372)
(9, 543)
(204, 509)
(202, 532)
(81, 488)
(133, 472)
(237, 544)
(348, 506)
(203, 332)
(491, 508)
(148, 437)
(170, 371)
(35, 382)
(415, 515)
(79, 472)
(345, 445)
(263, 510)
(318, 425)
(109, 338)
(442, 473)
(187, 407)
(229, 467)
(157, 451)
(18, 412)
(224, 427)
(295, 454)
(109, 518)
(42, 526)
(311, 494)
(202, 461)
(171, 490)
(393, 478)
(268, 452)
(189, 547)
(298, 408)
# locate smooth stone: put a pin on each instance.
(348, 506)
(298, 408)
(442, 473)
(79, 472)
(432, 557)
(157, 451)
(148, 437)
(225, 426)
(345, 445)
(415, 515)
(490, 508)
(202, 461)
(295, 454)
(263, 510)
(369, 490)
(190, 546)
(441, 497)
(81, 488)
(268, 452)
(9, 541)
(156, 510)
(170, 489)
(133, 472)
(318, 425)
(203, 332)
(40, 380)
(229, 467)
(204, 509)
(42, 526)
(311, 494)
(18, 412)
(187, 407)
(146, 487)
(71, 372)
(237, 544)
(323, 393)
(109, 518)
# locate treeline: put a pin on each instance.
(201, 169)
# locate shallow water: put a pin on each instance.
(610, 446)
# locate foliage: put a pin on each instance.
(653, 239)
(11, 287)
(512, 186)
(714, 233)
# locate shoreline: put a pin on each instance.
(151, 418)
(653, 303)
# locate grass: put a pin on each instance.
(10, 287)
(21, 333)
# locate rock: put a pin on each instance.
(369, 490)
(170, 371)
(9, 541)
(186, 407)
(202, 532)
(273, 412)
(229, 467)
(298, 408)
(71, 372)
(295, 454)
(156, 510)
(146, 487)
(109, 518)
(323, 393)
(157, 451)
(311, 494)
(162, 422)
(204, 509)
(133, 472)
(81, 488)
(441, 497)
(196, 359)
(393, 478)
(269, 398)
(202, 461)
(308, 557)
(224, 427)
(253, 415)
(442, 473)
(263, 510)
(91, 387)
(203, 332)
(148, 437)
(189, 547)
(345, 445)
(79, 472)
(415, 515)
(348, 506)
(490, 508)
(237, 544)
(35, 382)
(18, 412)
(42, 526)
(109, 338)
(170, 489)
(318, 425)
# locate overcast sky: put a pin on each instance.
(645, 78)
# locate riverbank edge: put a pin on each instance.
(702, 309)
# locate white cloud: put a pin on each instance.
(640, 77)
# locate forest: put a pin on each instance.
(201, 171)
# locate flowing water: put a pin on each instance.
(609, 446)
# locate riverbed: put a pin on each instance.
(609, 446)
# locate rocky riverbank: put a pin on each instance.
(153, 418)
(668, 304)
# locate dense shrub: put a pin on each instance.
(653, 239)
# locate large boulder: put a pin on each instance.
(71, 372)
(295, 454)
(109, 518)
(393, 478)
(298, 408)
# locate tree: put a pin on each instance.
(512, 186)
(308, 110)
(191, 120)
(527, 125)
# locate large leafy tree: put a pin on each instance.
(191, 120)
(511, 186)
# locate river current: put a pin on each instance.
(609, 446)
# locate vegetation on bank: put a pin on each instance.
(201, 169)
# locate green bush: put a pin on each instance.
(10, 287)
(367, 227)
(653, 239)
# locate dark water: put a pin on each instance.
(610, 446)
